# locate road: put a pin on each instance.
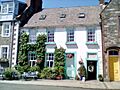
(34, 87)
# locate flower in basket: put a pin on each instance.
(69, 55)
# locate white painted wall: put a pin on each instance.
(60, 38)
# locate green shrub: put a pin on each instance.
(48, 73)
(22, 69)
(34, 68)
(8, 74)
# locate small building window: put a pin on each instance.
(70, 36)
(50, 36)
(62, 15)
(42, 17)
(4, 51)
(91, 35)
(6, 29)
(81, 15)
(32, 36)
(113, 52)
(32, 58)
(50, 60)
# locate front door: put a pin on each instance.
(114, 68)
(92, 70)
(70, 67)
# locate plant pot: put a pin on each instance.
(59, 77)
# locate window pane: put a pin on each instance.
(6, 29)
(4, 8)
(4, 52)
(32, 36)
(49, 59)
(91, 35)
(51, 36)
(70, 35)
(10, 7)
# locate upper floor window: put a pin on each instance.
(32, 58)
(50, 36)
(50, 60)
(7, 7)
(32, 36)
(70, 35)
(91, 35)
(4, 52)
(6, 29)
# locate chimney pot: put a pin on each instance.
(101, 1)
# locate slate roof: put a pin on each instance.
(52, 17)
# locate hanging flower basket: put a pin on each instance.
(69, 55)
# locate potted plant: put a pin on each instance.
(100, 77)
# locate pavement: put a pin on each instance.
(93, 84)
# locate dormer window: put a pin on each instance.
(63, 16)
(81, 15)
(42, 17)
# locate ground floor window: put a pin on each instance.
(32, 58)
(4, 51)
(49, 60)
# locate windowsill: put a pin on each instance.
(91, 43)
(31, 43)
(94, 59)
(50, 43)
(70, 43)
(5, 36)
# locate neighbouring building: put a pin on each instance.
(110, 17)
(9, 9)
(76, 29)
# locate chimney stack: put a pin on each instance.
(28, 3)
(101, 2)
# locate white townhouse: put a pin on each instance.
(9, 9)
(76, 29)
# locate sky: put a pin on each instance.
(68, 3)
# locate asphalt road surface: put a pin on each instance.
(35, 87)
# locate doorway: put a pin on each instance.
(70, 66)
(114, 65)
(92, 70)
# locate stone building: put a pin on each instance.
(9, 9)
(76, 29)
(110, 17)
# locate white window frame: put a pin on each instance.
(2, 46)
(91, 36)
(70, 36)
(50, 36)
(7, 8)
(48, 59)
(29, 58)
(32, 36)
(3, 30)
